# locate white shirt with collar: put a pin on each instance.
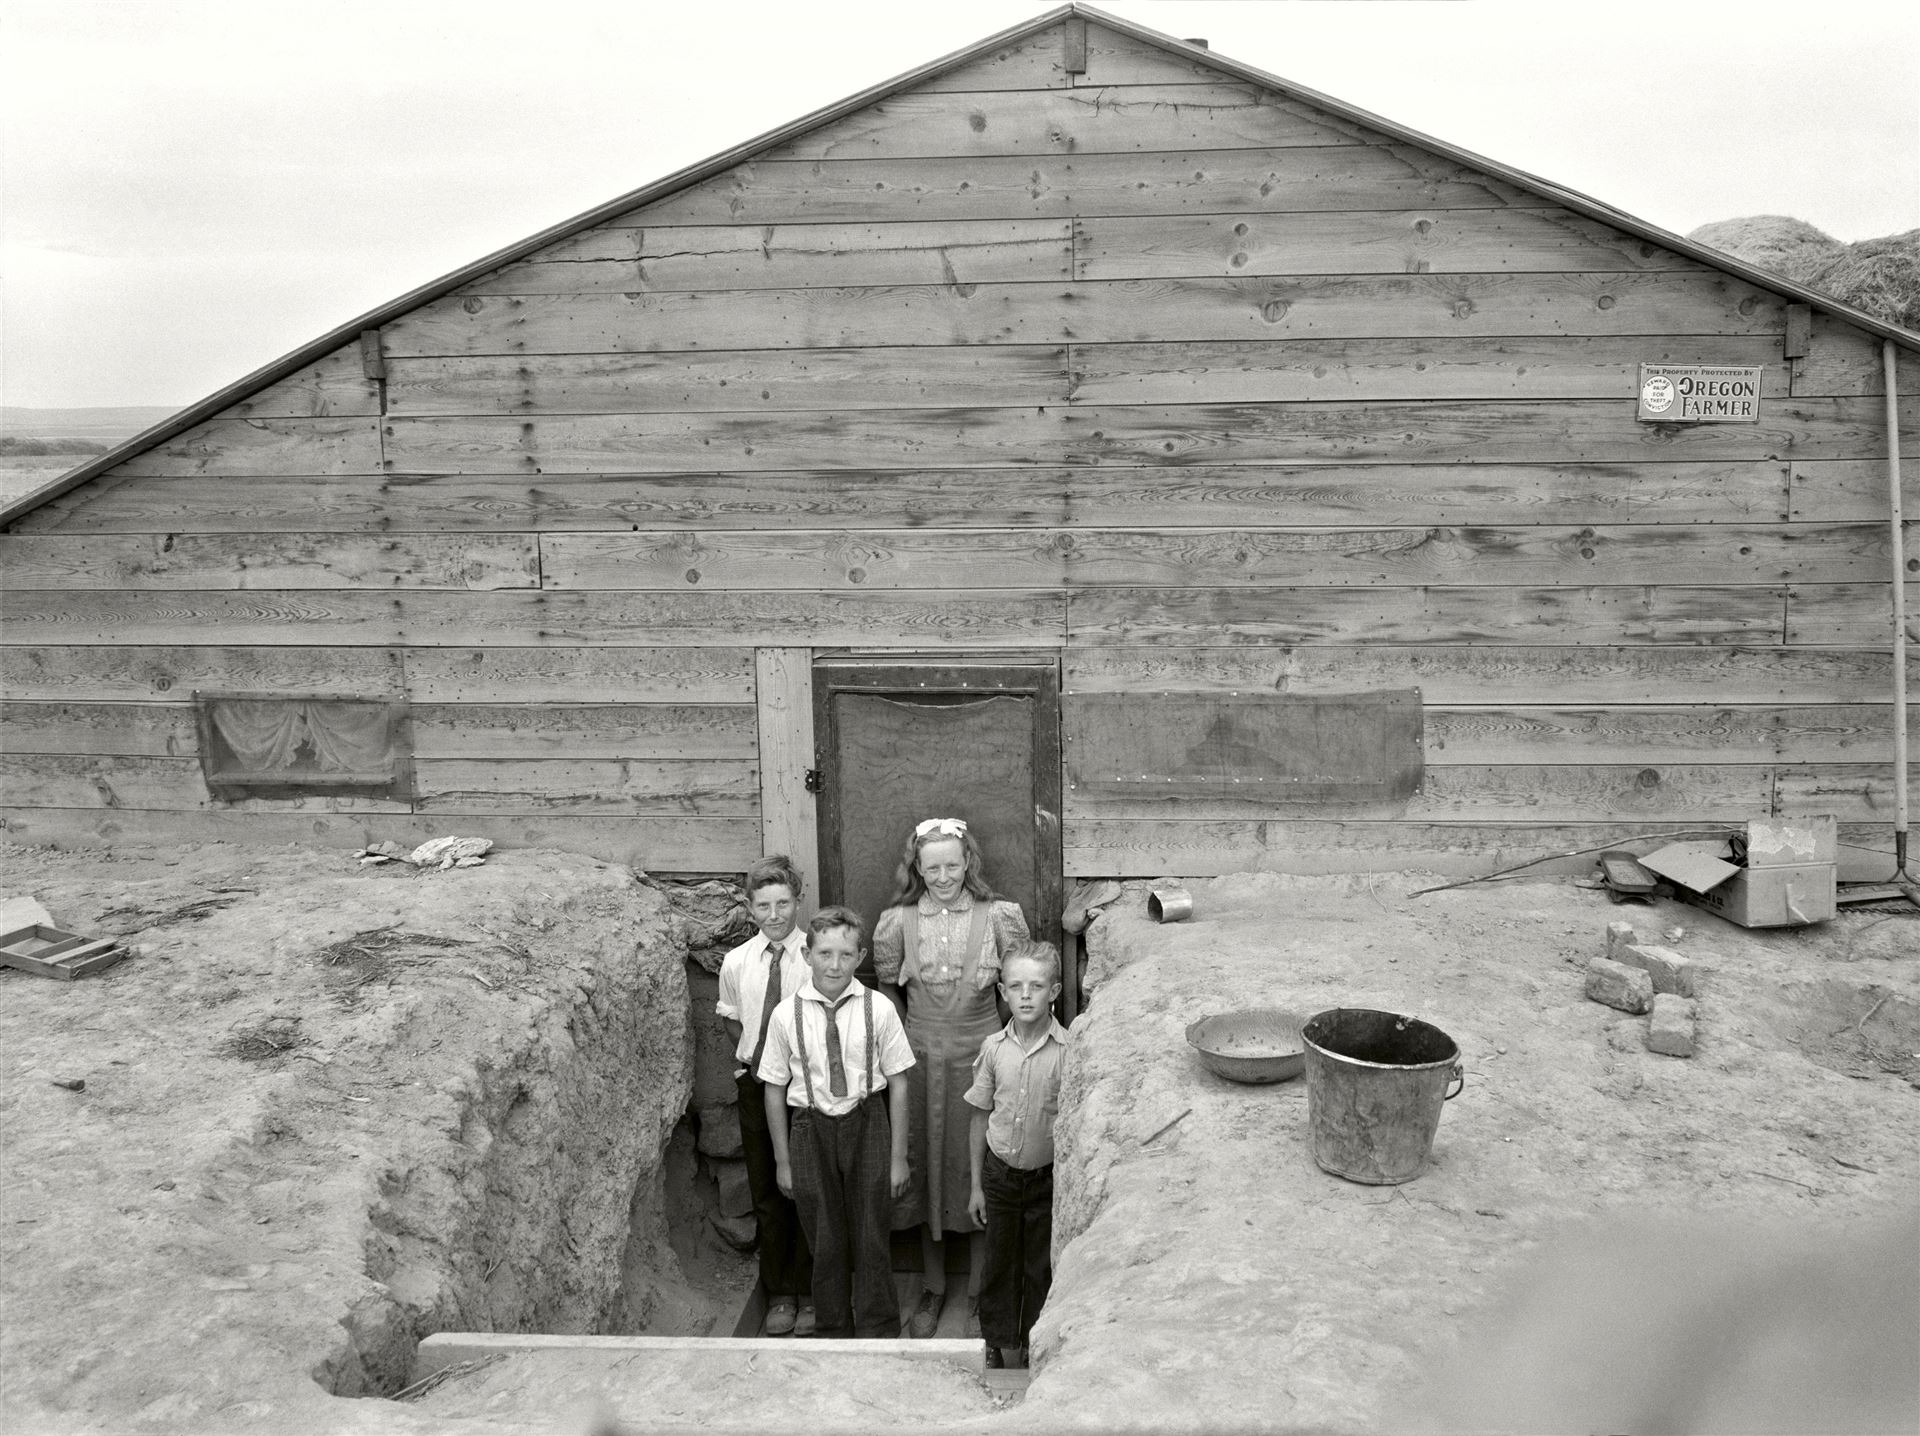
(780, 1063)
(743, 985)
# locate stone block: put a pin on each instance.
(736, 1198)
(740, 1233)
(720, 1130)
(1670, 971)
(1620, 935)
(712, 1048)
(1670, 1029)
(1617, 985)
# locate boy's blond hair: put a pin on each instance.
(1044, 953)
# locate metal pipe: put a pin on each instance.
(1898, 521)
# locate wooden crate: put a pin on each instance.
(49, 952)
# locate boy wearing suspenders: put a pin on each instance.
(829, 1054)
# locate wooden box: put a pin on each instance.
(49, 952)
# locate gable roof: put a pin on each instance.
(291, 363)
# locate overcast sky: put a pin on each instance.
(190, 188)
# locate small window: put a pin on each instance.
(262, 746)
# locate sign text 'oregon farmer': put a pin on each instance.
(1699, 394)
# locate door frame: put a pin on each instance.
(1032, 675)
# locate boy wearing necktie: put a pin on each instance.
(755, 978)
(839, 1127)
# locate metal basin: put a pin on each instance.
(1259, 1044)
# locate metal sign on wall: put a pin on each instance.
(1699, 394)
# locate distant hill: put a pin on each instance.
(1881, 276)
(98, 426)
(37, 446)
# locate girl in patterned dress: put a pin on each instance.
(939, 945)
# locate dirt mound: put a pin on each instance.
(322, 1111)
(1881, 276)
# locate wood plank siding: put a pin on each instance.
(1196, 386)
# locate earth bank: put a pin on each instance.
(463, 1084)
(328, 1109)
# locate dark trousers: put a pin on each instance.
(1019, 1262)
(842, 1184)
(786, 1265)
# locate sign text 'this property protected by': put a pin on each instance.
(1698, 394)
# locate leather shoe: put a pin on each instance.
(926, 1316)
(780, 1316)
(803, 1323)
(995, 1361)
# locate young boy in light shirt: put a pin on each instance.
(1015, 1096)
(754, 978)
(831, 1052)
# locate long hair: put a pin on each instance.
(910, 887)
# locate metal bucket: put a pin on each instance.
(1375, 1085)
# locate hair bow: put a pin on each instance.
(948, 827)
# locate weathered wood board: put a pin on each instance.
(146, 729)
(1846, 360)
(892, 620)
(914, 377)
(1217, 617)
(277, 445)
(1568, 430)
(1843, 615)
(1520, 792)
(1267, 371)
(1333, 177)
(685, 788)
(1108, 56)
(1084, 558)
(728, 256)
(1129, 311)
(1514, 676)
(523, 785)
(1109, 496)
(1417, 241)
(1851, 490)
(1084, 120)
(1827, 733)
(665, 845)
(636, 731)
(290, 561)
(55, 671)
(1855, 792)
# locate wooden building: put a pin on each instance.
(1176, 470)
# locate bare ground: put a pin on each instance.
(203, 1241)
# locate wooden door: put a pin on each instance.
(903, 741)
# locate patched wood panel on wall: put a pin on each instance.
(1355, 754)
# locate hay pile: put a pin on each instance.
(1881, 276)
